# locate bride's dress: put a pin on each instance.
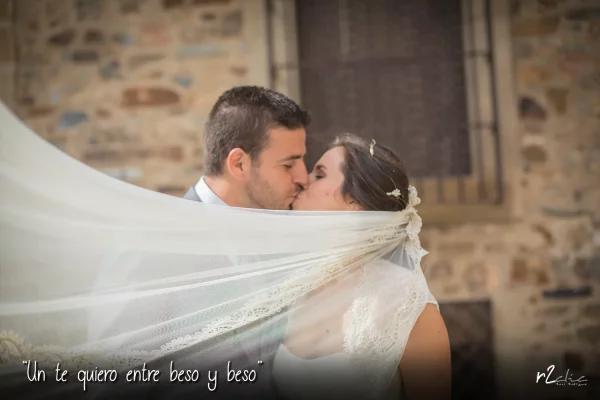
(366, 350)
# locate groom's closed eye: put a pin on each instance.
(290, 161)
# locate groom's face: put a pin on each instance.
(279, 174)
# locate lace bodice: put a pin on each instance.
(374, 339)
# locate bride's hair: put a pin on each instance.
(371, 176)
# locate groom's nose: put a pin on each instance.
(301, 176)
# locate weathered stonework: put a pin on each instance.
(127, 84)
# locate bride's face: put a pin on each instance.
(324, 192)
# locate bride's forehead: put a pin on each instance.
(334, 156)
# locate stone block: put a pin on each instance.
(533, 269)
(456, 249)
(155, 34)
(208, 16)
(541, 26)
(89, 10)
(534, 154)
(232, 24)
(173, 153)
(130, 6)
(170, 4)
(533, 75)
(183, 81)
(558, 99)
(39, 111)
(139, 60)
(125, 39)
(111, 70)
(85, 56)
(63, 38)
(149, 97)
(201, 50)
(529, 108)
(439, 271)
(71, 119)
(239, 71)
(476, 277)
(93, 36)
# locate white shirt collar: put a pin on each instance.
(206, 194)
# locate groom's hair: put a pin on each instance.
(241, 118)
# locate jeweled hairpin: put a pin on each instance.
(396, 193)
(371, 148)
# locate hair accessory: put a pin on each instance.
(371, 150)
(396, 193)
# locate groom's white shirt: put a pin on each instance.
(206, 194)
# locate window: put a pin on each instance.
(419, 76)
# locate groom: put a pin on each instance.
(254, 146)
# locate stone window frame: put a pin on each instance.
(283, 44)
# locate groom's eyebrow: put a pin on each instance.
(290, 158)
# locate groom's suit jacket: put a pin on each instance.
(244, 353)
(264, 342)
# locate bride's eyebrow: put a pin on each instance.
(320, 167)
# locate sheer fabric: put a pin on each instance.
(95, 272)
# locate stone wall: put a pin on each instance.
(125, 85)
(556, 46)
(555, 242)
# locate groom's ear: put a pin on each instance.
(238, 163)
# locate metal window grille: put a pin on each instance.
(408, 74)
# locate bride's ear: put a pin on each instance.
(238, 163)
(353, 206)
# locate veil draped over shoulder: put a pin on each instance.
(95, 272)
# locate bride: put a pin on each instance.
(354, 176)
(97, 275)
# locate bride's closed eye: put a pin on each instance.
(318, 172)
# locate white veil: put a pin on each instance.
(98, 273)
